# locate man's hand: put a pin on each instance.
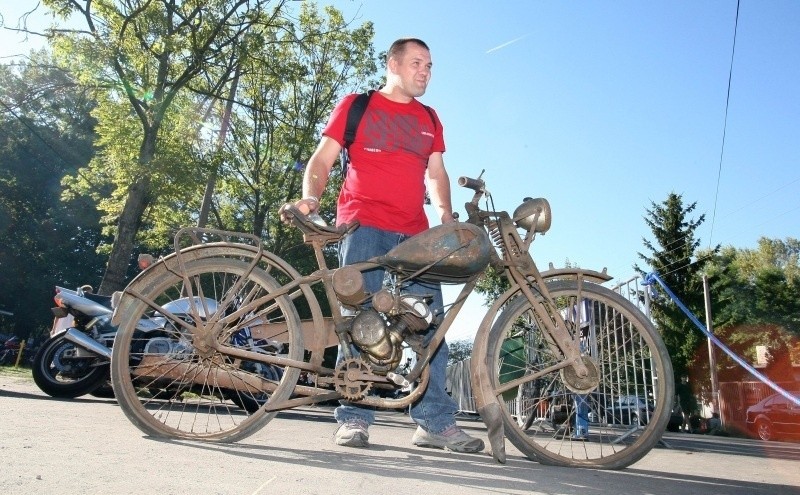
(449, 217)
(305, 205)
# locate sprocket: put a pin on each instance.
(348, 379)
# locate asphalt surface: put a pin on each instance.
(87, 445)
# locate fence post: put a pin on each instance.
(19, 354)
(712, 357)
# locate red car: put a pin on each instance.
(774, 417)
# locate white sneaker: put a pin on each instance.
(453, 438)
(352, 433)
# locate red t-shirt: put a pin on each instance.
(385, 184)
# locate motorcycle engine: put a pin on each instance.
(379, 331)
(165, 346)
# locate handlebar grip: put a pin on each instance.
(476, 185)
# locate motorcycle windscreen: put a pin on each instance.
(456, 250)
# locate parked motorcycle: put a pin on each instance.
(10, 349)
(74, 360)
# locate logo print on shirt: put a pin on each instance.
(392, 132)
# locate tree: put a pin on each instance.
(674, 258)
(286, 93)
(144, 55)
(459, 351)
(756, 301)
(46, 133)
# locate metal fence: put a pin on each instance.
(458, 374)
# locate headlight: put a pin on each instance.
(533, 215)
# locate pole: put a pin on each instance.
(712, 358)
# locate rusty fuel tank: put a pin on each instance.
(458, 250)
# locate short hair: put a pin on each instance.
(399, 47)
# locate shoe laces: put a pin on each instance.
(355, 424)
(452, 431)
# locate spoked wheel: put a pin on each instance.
(178, 369)
(609, 419)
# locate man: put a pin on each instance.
(397, 148)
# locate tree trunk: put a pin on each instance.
(138, 198)
(208, 196)
(128, 226)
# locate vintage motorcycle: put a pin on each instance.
(549, 338)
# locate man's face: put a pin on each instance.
(413, 69)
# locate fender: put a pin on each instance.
(592, 276)
(576, 273)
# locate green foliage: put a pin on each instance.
(286, 92)
(491, 284)
(459, 351)
(756, 296)
(162, 72)
(674, 259)
(153, 63)
(46, 132)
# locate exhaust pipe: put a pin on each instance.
(91, 345)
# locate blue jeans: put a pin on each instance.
(435, 410)
(581, 415)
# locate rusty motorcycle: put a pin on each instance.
(553, 339)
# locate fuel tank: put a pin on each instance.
(457, 250)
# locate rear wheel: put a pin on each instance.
(185, 379)
(560, 419)
(765, 430)
(59, 371)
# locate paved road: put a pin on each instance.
(87, 445)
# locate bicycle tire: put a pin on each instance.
(183, 393)
(629, 359)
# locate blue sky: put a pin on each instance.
(603, 107)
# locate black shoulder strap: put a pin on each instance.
(354, 115)
(430, 112)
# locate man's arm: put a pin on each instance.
(317, 172)
(439, 187)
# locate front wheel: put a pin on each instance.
(559, 419)
(59, 372)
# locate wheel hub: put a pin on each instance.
(581, 384)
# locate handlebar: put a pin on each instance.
(296, 217)
(476, 185)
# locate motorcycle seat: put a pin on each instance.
(104, 300)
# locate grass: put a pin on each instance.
(16, 372)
